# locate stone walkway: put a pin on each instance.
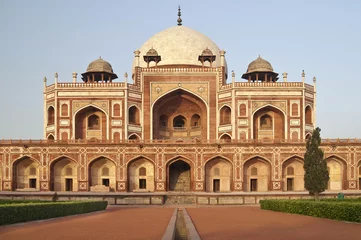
(114, 223)
(252, 223)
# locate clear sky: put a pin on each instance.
(41, 37)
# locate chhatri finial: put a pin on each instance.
(179, 16)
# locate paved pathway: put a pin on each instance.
(114, 223)
(252, 223)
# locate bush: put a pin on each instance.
(23, 212)
(344, 210)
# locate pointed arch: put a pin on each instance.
(134, 136)
(60, 180)
(225, 115)
(180, 173)
(279, 122)
(134, 114)
(217, 156)
(137, 158)
(23, 176)
(308, 114)
(51, 115)
(105, 128)
(50, 137)
(260, 182)
(96, 178)
(258, 156)
(337, 167)
(157, 109)
(225, 136)
(218, 174)
(137, 181)
(293, 173)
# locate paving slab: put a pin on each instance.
(250, 222)
(114, 223)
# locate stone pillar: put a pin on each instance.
(223, 59)
(285, 76)
(74, 77)
(137, 54)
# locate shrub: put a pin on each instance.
(345, 210)
(23, 212)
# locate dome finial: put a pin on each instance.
(179, 16)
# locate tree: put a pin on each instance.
(316, 173)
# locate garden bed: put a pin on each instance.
(15, 211)
(344, 210)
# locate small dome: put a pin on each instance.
(100, 65)
(152, 52)
(207, 52)
(259, 65)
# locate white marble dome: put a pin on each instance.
(179, 45)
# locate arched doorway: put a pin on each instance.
(102, 173)
(179, 115)
(90, 123)
(257, 175)
(268, 123)
(337, 173)
(63, 175)
(218, 175)
(179, 177)
(293, 174)
(26, 174)
(141, 175)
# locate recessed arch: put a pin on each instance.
(134, 137)
(141, 175)
(308, 115)
(50, 137)
(293, 174)
(279, 123)
(337, 167)
(95, 173)
(23, 176)
(80, 117)
(139, 157)
(225, 137)
(134, 115)
(179, 102)
(218, 174)
(260, 182)
(51, 115)
(61, 179)
(225, 115)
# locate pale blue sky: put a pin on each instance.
(41, 37)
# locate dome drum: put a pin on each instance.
(260, 70)
(99, 71)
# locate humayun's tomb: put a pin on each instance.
(175, 124)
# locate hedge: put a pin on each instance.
(17, 201)
(344, 210)
(23, 212)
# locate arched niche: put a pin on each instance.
(268, 123)
(91, 123)
(63, 175)
(97, 178)
(256, 180)
(179, 115)
(218, 175)
(141, 175)
(293, 174)
(26, 174)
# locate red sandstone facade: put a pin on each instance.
(180, 124)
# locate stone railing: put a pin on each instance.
(268, 84)
(85, 85)
(25, 143)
